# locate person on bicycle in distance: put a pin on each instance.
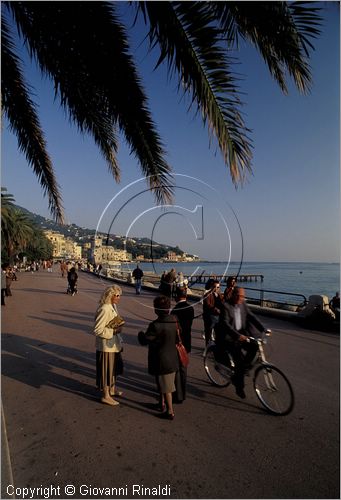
(236, 324)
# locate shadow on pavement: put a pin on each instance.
(61, 323)
(33, 362)
(44, 291)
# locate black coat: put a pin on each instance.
(137, 273)
(185, 314)
(162, 354)
(226, 327)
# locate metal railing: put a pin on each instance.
(262, 300)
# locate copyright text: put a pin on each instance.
(134, 490)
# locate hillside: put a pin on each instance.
(135, 246)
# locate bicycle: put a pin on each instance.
(272, 387)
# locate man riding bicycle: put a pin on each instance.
(236, 324)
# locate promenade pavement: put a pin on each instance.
(61, 437)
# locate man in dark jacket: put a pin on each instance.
(185, 315)
(137, 275)
(236, 324)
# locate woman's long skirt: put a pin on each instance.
(108, 366)
(105, 364)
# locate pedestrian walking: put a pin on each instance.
(3, 284)
(138, 275)
(9, 279)
(72, 278)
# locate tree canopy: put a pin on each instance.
(19, 235)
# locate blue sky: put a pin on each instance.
(288, 210)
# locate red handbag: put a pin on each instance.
(183, 355)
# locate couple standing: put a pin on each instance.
(162, 336)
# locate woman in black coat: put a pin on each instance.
(163, 360)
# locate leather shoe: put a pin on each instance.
(160, 407)
(240, 392)
(167, 416)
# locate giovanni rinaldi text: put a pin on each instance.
(134, 490)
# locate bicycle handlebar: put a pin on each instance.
(265, 333)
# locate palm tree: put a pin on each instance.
(38, 247)
(7, 205)
(17, 234)
(83, 48)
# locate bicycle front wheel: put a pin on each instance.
(273, 389)
(218, 373)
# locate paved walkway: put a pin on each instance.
(218, 446)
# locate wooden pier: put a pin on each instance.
(241, 278)
(200, 279)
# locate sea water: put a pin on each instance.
(304, 278)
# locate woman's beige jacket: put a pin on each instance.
(106, 341)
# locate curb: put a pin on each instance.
(6, 465)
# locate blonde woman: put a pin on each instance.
(108, 345)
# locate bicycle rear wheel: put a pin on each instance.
(218, 373)
(273, 389)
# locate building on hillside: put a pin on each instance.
(172, 257)
(95, 245)
(106, 254)
(63, 248)
(97, 242)
(188, 258)
(86, 250)
(72, 250)
(58, 242)
(192, 258)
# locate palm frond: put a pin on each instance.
(190, 44)
(281, 31)
(307, 20)
(24, 122)
(95, 77)
(7, 199)
(83, 48)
